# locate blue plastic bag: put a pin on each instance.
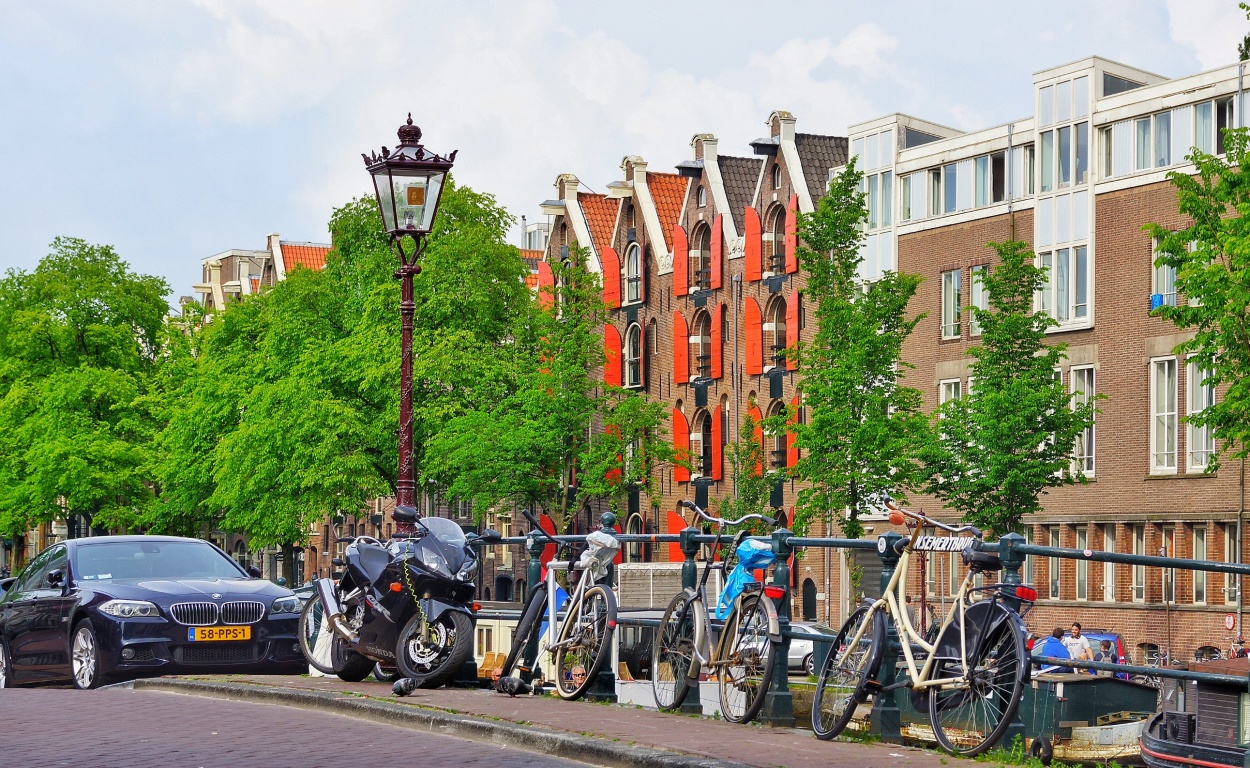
(752, 556)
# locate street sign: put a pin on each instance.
(1230, 621)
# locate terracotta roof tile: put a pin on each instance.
(600, 213)
(817, 154)
(668, 190)
(740, 175)
(531, 258)
(309, 255)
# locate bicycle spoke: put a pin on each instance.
(673, 654)
(971, 716)
(744, 671)
(844, 675)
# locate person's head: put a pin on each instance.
(1106, 646)
(1076, 629)
(579, 675)
(907, 599)
(1240, 641)
(1058, 633)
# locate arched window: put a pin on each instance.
(776, 176)
(809, 600)
(503, 588)
(240, 554)
(776, 257)
(701, 444)
(633, 273)
(633, 356)
(775, 332)
(1206, 653)
(564, 234)
(700, 259)
(701, 343)
(701, 196)
(776, 439)
(633, 550)
(1147, 653)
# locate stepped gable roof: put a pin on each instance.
(309, 255)
(668, 190)
(817, 154)
(600, 213)
(531, 258)
(740, 175)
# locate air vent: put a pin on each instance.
(195, 614)
(242, 613)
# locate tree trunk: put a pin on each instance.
(288, 564)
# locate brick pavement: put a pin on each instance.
(145, 729)
(751, 744)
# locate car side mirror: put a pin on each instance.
(254, 572)
(56, 577)
(491, 536)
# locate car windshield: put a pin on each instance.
(153, 560)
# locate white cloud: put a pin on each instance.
(1213, 28)
(864, 48)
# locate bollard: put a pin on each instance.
(604, 687)
(886, 717)
(693, 703)
(1012, 562)
(779, 702)
(533, 577)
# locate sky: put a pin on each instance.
(183, 129)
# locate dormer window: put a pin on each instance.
(701, 196)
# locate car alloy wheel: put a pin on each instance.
(85, 657)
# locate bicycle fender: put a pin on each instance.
(981, 617)
(434, 608)
(774, 622)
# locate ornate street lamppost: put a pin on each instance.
(408, 183)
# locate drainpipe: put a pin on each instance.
(1011, 208)
(1241, 513)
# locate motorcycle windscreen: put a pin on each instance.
(445, 547)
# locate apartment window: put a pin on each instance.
(1163, 415)
(1139, 571)
(1201, 439)
(950, 304)
(935, 192)
(701, 344)
(1064, 155)
(950, 188)
(701, 197)
(908, 213)
(1027, 576)
(1082, 566)
(1022, 171)
(948, 390)
(633, 273)
(1108, 569)
(1223, 121)
(485, 640)
(1052, 535)
(1141, 131)
(1048, 161)
(775, 331)
(887, 198)
(1163, 139)
(1204, 127)
(979, 298)
(1200, 553)
(1081, 154)
(1164, 277)
(633, 356)
(776, 176)
(1083, 394)
(1169, 574)
(1231, 555)
(1065, 294)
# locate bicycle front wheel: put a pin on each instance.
(585, 642)
(672, 654)
(843, 681)
(970, 716)
(744, 661)
(528, 623)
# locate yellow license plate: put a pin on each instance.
(219, 633)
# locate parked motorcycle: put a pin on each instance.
(407, 604)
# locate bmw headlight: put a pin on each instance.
(289, 604)
(131, 609)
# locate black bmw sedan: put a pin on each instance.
(101, 610)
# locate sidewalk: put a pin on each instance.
(701, 738)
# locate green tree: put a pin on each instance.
(79, 339)
(751, 484)
(863, 429)
(1211, 258)
(997, 449)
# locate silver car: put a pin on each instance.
(802, 651)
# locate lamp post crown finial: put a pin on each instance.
(409, 133)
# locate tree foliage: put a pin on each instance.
(1212, 262)
(998, 448)
(863, 428)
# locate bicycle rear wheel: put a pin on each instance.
(970, 717)
(744, 660)
(673, 652)
(843, 681)
(585, 642)
(528, 623)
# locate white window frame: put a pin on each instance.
(1162, 455)
(951, 319)
(1230, 556)
(1168, 583)
(701, 196)
(633, 274)
(1199, 440)
(949, 389)
(1082, 565)
(1139, 571)
(1055, 290)
(1108, 569)
(1162, 278)
(633, 364)
(1054, 586)
(1084, 386)
(1200, 553)
(978, 297)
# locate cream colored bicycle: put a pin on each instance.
(970, 679)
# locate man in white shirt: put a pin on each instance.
(1077, 644)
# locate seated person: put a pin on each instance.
(1055, 648)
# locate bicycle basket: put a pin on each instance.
(600, 551)
(752, 556)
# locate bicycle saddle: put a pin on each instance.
(980, 562)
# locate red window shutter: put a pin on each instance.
(758, 418)
(611, 278)
(681, 265)
(753, 250)
(676, 524)
(792, 453)
(681, 349)
(792, 235)
(546, 285)
(718, 450)
(718, 248)
(549, 551)
(717, 334)
(681, 442)
(792, 330)
(753, 326)
(611, 355)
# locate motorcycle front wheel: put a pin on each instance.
(435, 660)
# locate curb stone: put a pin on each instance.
(569, 746)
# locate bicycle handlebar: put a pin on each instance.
(921, 518)
(722, 521)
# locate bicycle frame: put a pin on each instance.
(574, 602)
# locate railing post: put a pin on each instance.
(604, 687)
(887, 720)
(1013, 561)
(533, 577)
(779, 702)
(693, 703)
